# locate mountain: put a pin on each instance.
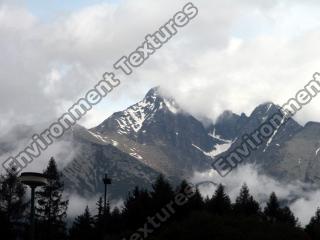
(299, 157)
(94, 157)
(156, 136)
(271, 152)
(161, 135)
(229, 125)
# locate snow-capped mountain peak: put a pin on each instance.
(132, 119)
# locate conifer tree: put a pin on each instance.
(195, 202)
(162, 193)
(116, 224)
(220, 202)
(274, 213)
(51, 208)
(137, 207)
(99, 219)
(245, 204)
(12, 203)
(83, 227)
(287, 216)
(313, 228)
(272, 210)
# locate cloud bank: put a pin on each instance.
(234, 56)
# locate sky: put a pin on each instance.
(47, 10)
(233, 56)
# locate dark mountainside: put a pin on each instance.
(156, 136)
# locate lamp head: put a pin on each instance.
(33, 179)
(106, 180)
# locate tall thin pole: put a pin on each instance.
(106, 181)
(32, 213)
(105, 196)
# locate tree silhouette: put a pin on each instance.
(313, 228)
(193, 197)
(162, 192)
(116, 224)
(99, 219)
(83, 227)
(245, 204)
(51, 208)
(274, 213)
(287, 216)
(272, 210)
(137, 207)
(213, 219)
(220, 202)
(12, 204)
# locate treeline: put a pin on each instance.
(162, 213)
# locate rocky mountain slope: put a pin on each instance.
(155, 136)
(270, 152)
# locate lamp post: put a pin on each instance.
(33, 180)
(106, 181)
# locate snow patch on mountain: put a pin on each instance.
(171, 105)
(274, 133)
(114, 143)
(136, 155)
(99, 137)
(218, 149)
(216, 136)
(269, 106)
(133, 118)
(317, 151)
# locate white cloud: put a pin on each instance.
(234, 55)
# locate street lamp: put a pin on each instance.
(33, 180)
(106, 181)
